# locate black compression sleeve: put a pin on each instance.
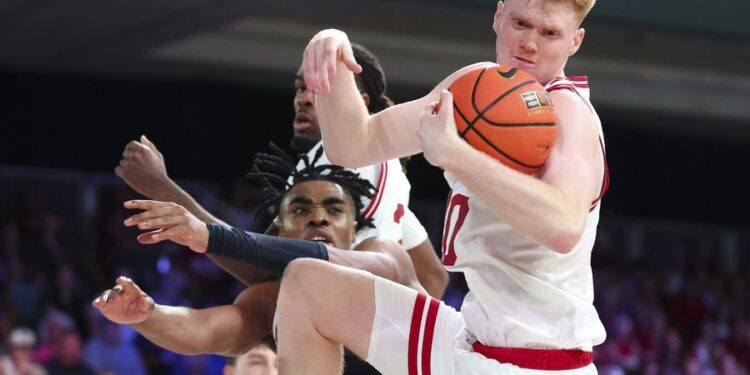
(269, 252)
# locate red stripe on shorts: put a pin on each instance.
(537, 359)
(416, 324)
(429, 327)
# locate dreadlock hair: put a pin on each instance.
(372, 78)
(278, 173)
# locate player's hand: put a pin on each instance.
(125, 303)
(168, 221)
(142, 168)
(437, 130)
(321, 57)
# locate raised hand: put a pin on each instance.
(142, 168)
(321, 58)
(437, 130)
(168, 221)
(125, 303)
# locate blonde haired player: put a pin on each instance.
(523, 242)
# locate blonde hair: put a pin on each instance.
(580, 7)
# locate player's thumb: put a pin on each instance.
(446, 104)
(147, 142)
(348, 59)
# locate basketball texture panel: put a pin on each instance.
(505, 113)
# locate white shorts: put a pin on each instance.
(414, 334)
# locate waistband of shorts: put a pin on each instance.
(537, 359)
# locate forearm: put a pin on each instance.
(177, 329)
(540, 211)
(270, 253)
(245, 272)
(343, 119)
(242, 271)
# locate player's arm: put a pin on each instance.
(429, 270)
(383, 258)
(550, 208)
(227, 330)
(351, 136)
(167, 221)
(143, 168)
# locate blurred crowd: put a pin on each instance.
(678, 310)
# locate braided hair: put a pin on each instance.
(278, 173)
(372, 78)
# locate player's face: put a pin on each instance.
(536, 36)
(305, 120)
(318, 211)
(306, 128)
(260, 360)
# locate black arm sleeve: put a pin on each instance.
(269, 252)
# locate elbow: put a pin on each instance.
(566, 239)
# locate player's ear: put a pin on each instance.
(498, 15)
(577, 40)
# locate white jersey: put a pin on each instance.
(522, 295)
(389, 207)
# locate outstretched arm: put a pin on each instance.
(227, 330)
(168, 221)
(143, 168)
(328, 64)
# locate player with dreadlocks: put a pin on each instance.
(143, 168)
(318, 212)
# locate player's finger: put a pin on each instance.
(105, 296)
(347, 57)
(147, 142)
(146, 204)
(134, 146)
(148, 218)
(119, 171)
(150, 238)
(127, 285)
(446, 104)
(166, 221)
(124, 163)
(309, 68)
(326, 70)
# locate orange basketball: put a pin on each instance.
(505, 113)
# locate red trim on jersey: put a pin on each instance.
(375, 201)
(605, 182)
(429, 326)
(582, 82)
(537, 359)
(416, 325)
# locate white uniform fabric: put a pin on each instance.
(522, 295)
(430, 339)
(389, 208)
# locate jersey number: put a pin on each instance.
(455, 214)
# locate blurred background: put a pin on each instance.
(211, 83)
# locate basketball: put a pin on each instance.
(505, 113)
